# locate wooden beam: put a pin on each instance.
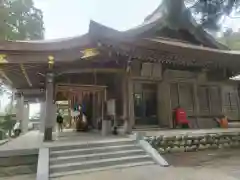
(42, 58)
(91, 70)
(31, 91)
(25, 75)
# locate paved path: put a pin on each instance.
(30, 140)
(34, 140)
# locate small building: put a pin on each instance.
(167, 61)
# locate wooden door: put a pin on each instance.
(230, 102)
(182, 95)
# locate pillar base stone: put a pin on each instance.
(48, 134)
(127, 128)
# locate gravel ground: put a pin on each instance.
(224, 160)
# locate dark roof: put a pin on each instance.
(171, 16)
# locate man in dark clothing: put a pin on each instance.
(60, 122)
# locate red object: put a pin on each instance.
(181, 116)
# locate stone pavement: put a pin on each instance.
(34, 140)
(30, 140)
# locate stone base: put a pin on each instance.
(106, 127)
(127, 128)
(48, 134)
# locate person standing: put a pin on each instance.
(60, 122)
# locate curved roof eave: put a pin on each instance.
(166, 10)
(195, 47)
(46, 45)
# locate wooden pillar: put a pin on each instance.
(127, 126)
(128, 104)
(42, 117)
(124, 98)
(196, 102)
(159, 104)
(131, 103)
(25, 118)
(50, 114)
(94, 117)
(164, 105)
(20, 110)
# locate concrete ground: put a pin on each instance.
(34, 140)
(30, 140)
(210, 165)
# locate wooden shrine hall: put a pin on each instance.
(167, 61)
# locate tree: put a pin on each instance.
(7, 121)
(211, 13)
(231, 39)
(20, 20)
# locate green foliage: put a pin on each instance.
(20, 20)
(210, 13)
(7, 123)
(1, 89)
(232, 40)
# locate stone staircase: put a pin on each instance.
(85, 158)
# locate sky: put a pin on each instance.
(71, 18)
(5, 99)
(68, 18)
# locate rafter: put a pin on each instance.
(25, 75)
(2, 74)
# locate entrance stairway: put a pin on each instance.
(85, 158)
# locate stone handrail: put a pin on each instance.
(43, 164)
